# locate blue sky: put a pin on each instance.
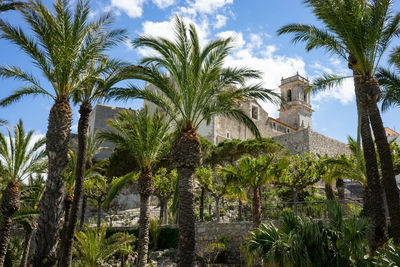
(253, 24)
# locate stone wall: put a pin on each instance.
(295, 142)
(324, 145)
(308, 141)
(236, 232)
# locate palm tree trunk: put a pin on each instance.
(217, 213)
(10, 203)
(161, 203)
(165, 217)
(27, 243)
(240, 209)
(375, 201)
(186, 152)
(329, 192)
(295, 199)
(84, 197)
(67, 212)
(340, 188)
(145, 188)
(68, 238)
(385, 156)
(83, 211)
(51, 211)
(202, 204)
(256, 207)
(99, 214)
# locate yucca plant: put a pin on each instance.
(93, 248)
(20, 157)
(193, 86)
(62, 45)
(147, 139)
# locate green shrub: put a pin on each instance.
(168, 237)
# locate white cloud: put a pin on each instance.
(166, 29)
(209, 6)
(163, 3)
(221, 21)
(344, 93)
(256, 40)
(133, 8)
(238, 41)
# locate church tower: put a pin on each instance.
(297, 111)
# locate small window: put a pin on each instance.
(289, 95)
(254, 112)
(305, 97)
(287, 130)
(228, 135)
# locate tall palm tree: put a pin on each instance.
(255, 173)
(20, 157)
(93, 90)
(147, 139)
(62, 46)
(194, 87)
(359, 32)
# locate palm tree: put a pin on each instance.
(194, 88)
(147, 139)
(93, 147)
(359, 32)
(63, 46)
(93, 247)
(390, 82)
(30, 200)
(6, 5)
(255, 173)
(104, 75)
(300, 241)
(20, 157)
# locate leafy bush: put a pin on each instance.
(302, 242)
(93, 247)
(216, 252)
(168, 238)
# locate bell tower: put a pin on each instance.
(297, 111)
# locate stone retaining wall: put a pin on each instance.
(236, 232)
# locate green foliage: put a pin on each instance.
(155, 231)
(299, 241)
(300, 172)
(165, 182)
(193, 84)
(14, 253)
(116, 186)
(62, 45)
(216, 252)
(145, 136)
(229, 151)
(255, 172)
(121, 163)
(20, 156)
(93, 248)
(168, 238)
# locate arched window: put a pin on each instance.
(289, 95)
